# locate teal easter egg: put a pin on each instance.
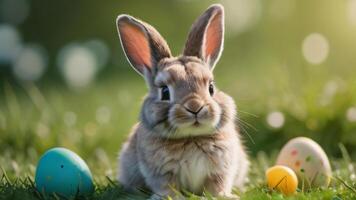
(63, 172)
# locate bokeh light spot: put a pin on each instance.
(351, 114)
(101, 51)
(78, 65)
(315, 48)
(30, 63)
(275, 119)
(351, 11)
(241, 15)
(10, 43)
(353, 177)
(330, 90)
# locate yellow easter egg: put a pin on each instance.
(283, 179)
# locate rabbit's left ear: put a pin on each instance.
(144, 47)
(206, 36)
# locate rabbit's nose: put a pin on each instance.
(194, 106)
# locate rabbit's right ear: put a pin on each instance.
(206, 37)
(144, 47)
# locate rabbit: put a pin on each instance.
(186, 138)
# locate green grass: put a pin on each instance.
(34, 118)
(343, 186)
(262, 68)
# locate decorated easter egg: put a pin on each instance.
(308, 160)
(282, 178)
(63, 172)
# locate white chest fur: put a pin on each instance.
(195, 167)
(188, 164)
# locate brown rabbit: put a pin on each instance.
(186, 138)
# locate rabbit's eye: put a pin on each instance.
(164, 93)
(211, 89)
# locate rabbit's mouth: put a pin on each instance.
(181, 116)
(188, 123)
(196, 123)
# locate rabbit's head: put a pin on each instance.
(183, 100)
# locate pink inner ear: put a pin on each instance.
(136, 45)
(213, 39)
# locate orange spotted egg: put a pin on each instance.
(308, 160)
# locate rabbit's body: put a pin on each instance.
(186, 139)
(215, 162)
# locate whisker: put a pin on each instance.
(248, 113)
(248, 135)
(247, 124)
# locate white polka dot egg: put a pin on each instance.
(308, 160)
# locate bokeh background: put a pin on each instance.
(64, 81)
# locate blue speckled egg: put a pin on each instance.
(63, 172)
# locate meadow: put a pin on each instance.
(289, 65)
(95, 123)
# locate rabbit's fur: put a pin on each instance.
(188, 141)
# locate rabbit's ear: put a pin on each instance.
(144, 47)
(206, 36)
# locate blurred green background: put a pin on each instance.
(64, 81)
